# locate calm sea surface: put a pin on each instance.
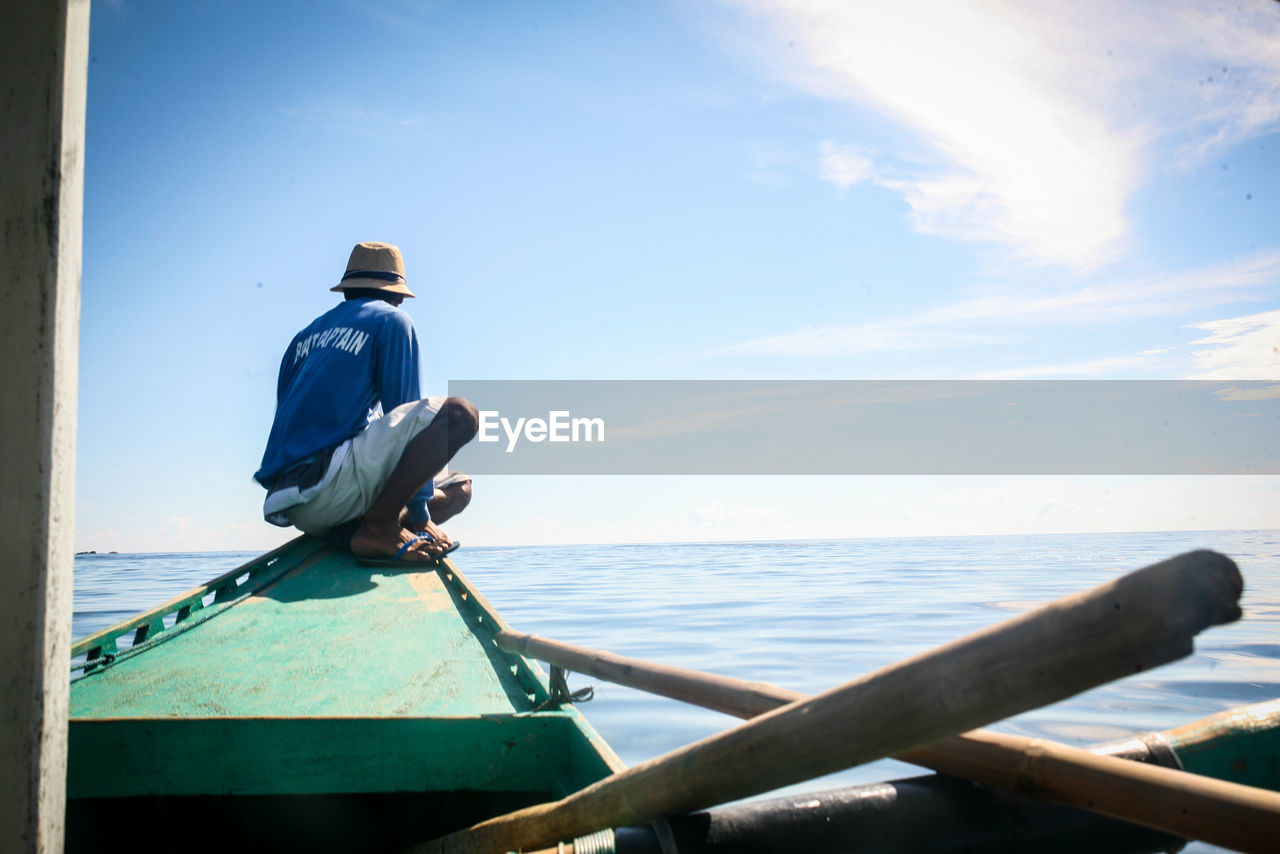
(809, 615)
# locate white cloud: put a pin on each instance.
(354, 119)
(1091, 368)
(1239, 348)
(844, 165)
(989, 317)
(1040, 119)
(892, 335)
(1231, 73)
(395, 14)
(1237, 394)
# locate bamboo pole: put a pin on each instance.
(1137, 622)
(1242, 818)
(737, 697)
(1188, 805)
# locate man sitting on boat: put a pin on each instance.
(353, 442)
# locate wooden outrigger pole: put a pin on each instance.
(1183, 804)
(1137, 622)
(1187, 805)
(941, 813)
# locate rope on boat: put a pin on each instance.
(560, 693)
(195, 619)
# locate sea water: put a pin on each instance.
(810, 615)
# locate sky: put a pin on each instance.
(744, 189)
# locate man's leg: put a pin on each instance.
(381, 534)
(449, 501)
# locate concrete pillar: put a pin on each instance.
(43, 69)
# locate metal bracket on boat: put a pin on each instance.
(560, 693)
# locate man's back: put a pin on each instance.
(360, 353)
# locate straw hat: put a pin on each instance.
(375, 265)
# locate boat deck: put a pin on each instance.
(328, 638)
(305, 673)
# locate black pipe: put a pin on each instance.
(932, 814)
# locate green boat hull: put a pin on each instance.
(308, 701)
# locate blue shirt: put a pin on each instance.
(361, 354)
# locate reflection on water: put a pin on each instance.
(811, 615)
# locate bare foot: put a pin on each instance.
(432, 529)
(374, 540)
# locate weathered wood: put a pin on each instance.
(44, 62)
(1227, 814)
(1242, 818)
(736, 697)
(1137, 622)
(1222, 813)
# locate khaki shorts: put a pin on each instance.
(363, 471)
(449, 477)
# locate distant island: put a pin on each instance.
(93, 552)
